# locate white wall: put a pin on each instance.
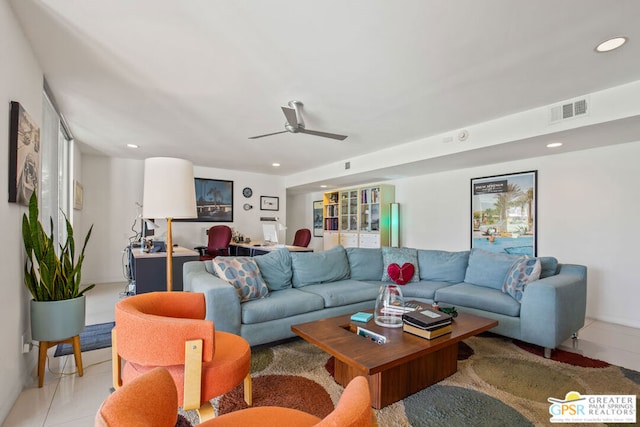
(588, 208)
(20, 80)
(112, 186)
(300, 214)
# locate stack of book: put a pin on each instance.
(426, 323)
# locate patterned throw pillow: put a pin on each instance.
(399, 256)
(523, 271)
(243, 274)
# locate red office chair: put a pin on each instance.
(218, 243)
(302, 237)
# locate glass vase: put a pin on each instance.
(389, 306)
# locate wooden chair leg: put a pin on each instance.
(248, 390)
(206, 412)
(116, 362)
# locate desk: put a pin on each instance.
(150, 269)
(259, 248)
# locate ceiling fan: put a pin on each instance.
(295, 124)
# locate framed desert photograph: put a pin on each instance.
(24, 155)
(503, 213)
(214, 200)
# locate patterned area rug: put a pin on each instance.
(498, 383)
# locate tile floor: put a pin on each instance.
(67, 400)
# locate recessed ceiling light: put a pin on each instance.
(275, 165)
(323, 186)
(554, 145)
(611, 44)
(133, 146)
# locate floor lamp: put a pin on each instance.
(169, 192)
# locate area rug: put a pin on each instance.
(498, 383)
(93, 337)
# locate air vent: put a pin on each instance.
(568, 110)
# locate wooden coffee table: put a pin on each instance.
(404, 365)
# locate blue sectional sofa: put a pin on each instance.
(303, 287)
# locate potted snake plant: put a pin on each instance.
(52, 276)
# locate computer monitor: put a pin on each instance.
(270, 233)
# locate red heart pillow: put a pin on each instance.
(401, 275)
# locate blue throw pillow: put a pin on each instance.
(522, 273)
(365, 263)
(489, 269)
(275, 268)
(399, 256)
(319, 267)
(243, 274)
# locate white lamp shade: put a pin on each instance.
(169, 189)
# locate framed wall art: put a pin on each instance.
(269, 203)
(503, 213)
(24, 155)
(214, 200)
(317, 219)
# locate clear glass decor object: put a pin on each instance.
(389, 306)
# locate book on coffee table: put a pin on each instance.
(427, 333)
(426, 319)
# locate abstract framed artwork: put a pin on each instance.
(504, 213)
(214, 201)
(269, 203)
(317, 219)
(24, 155)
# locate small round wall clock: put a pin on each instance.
(247, 207)
(247, 192)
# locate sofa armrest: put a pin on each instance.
(223, 304)
(554, 308)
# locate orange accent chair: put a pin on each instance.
(150, 400)
(168, 329)
(302, 237)
(219, 237)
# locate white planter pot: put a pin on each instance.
(57, 320)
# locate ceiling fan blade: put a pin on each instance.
(267, 134)
(324, 134)
(292, 117)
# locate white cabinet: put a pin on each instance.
(359, 216)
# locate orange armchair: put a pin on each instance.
(150, 400)
(168, 329)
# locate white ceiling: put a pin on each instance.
(194, 79)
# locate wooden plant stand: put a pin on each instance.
(46, 345)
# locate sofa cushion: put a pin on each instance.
(243, 274)
(425, 289)
(399, 256)
(522, 272)
(275, 268)
(344, 292)
(479, 297)
(365, 263)
(319, 267)
(488, 269)
(443, 266)
(279, 305)
(549, 266)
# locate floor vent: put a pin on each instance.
(568, 110)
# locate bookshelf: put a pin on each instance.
(358, 217)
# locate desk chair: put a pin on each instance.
(302, 237)
(219, 237)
